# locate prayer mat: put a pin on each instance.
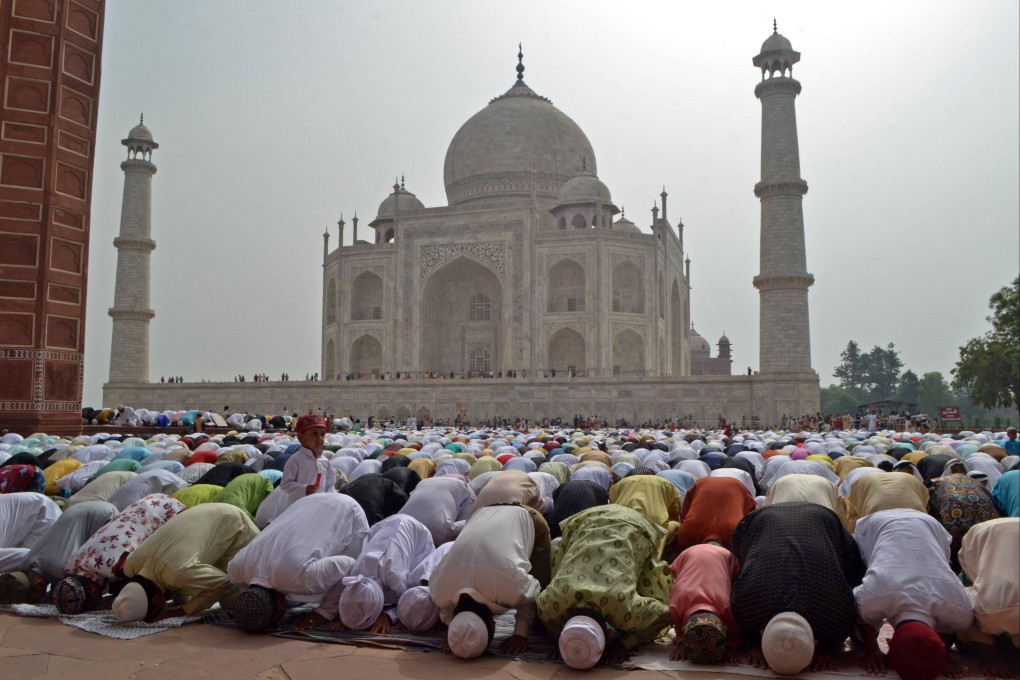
(540, 644)
(655, 657)
(101, 622)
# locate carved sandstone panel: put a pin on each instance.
(71, 181)
(61, 381)
(15, 380)
(23, 132)
(22, 171)
(62, 332)
(79, 64)
(24, 290)
(19, 250)
(20, 210)
(40, 10)
(31, 49)
(68, 294)
(65, 256)
(82, 20)
(17, 329)
(27, 94)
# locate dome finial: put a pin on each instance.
(141, 118)
(623, 212)
(520, 63)
(401, 180)
(774, 29)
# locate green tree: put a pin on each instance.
(882, 368)
(910, 385)
(989, 366)
(932, 392)
(837, 400)
(852, 369)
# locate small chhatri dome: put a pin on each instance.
(388, 208)
(140, 132)
(777, 54)
(723, 340)
(584, 189)
(699, 345)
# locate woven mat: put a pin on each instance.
(101, 622)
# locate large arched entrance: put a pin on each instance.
(628, 354)
(567, 351)
(461, 318)
(329, 370)
(566, 287)
(366, 356)
(628, 289)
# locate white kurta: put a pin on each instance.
(145, 483)
(909, 577)
(307, 550)
(394, 547)
(989, 557)
(24, 519)
(441, 504)
(491, 563)
(301, 470)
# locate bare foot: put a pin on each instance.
(337, 626)
(677, 654)
(445, 646)
(997, 667)
(168, 614)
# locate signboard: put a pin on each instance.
(950, 414)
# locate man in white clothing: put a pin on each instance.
(500, 561)
(308, 550)
(307, 471)
(442, 504)
(24, 519)
(145, 483)
(394, 548)
(909, 583)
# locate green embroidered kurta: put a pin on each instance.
(607, 561)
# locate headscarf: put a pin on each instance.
(425, 467)
(483, 465)
(683, 481)
(599, 474)
(697, 468)
(416, 610)
(740, 475)
(361, 602)
(558, 470)
(845, 464)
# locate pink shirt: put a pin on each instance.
(702, 580)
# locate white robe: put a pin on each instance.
(909, 577)
(442, 504)
(145, 483)
(491, 563)
(24, 520)
(308, 549)
(300, 472)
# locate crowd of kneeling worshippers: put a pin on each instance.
(769, 548)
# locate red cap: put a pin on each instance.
(917, 652)
(309, 421)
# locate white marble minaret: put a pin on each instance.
(129, 350)
(785, 332)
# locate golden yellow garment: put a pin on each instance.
(654, 497)
(823, 459)
(483, 465)
(58, 470)
(232, 456)
(847, 463)
(914, 456)
(886, 491)
(425, 467)
(596, 457)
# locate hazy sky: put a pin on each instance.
(274, 118)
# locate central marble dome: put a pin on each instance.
(519, 140)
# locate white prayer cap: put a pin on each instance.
(416, 610)
(788, 643)
(253, 425)
(131, 604)
(468, 636)
(361, 602)
(582, 642)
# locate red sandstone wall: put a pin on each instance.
(49, 97)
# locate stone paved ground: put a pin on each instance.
(43, 648)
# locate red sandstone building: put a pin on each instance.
(49, 97)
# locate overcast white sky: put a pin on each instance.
(274, 118)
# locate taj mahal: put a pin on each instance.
(529, 295)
